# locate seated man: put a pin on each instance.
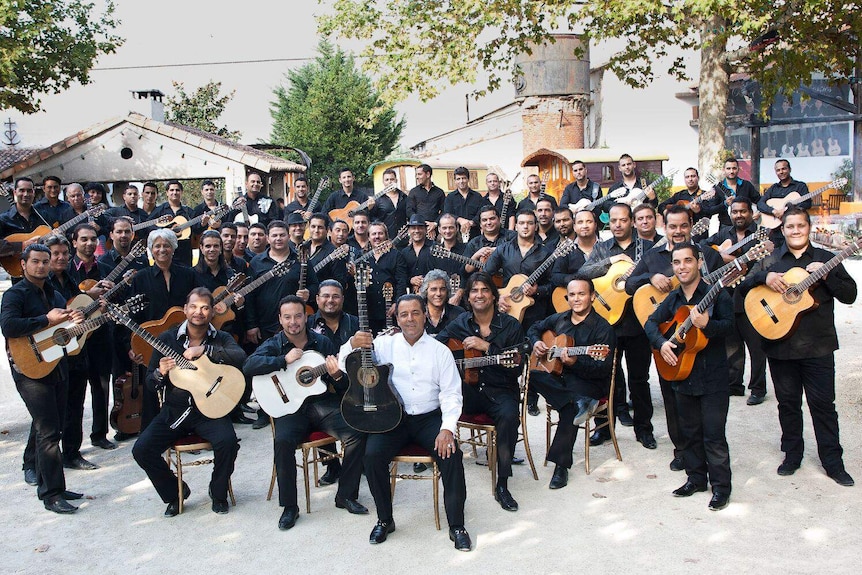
(179, 416)
(426, 379)
(496, 393)
(584, 379)
(321, 412)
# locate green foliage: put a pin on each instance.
(845, 170)
(331, 111)
(662, 188)
(45, 46)
(201, 109)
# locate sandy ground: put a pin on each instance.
(622, 516)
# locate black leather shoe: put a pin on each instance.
(80, 463)
(173, 508)
(220, 506)
(719, 501)
(30, 477)
(72, 495)
(648, 440)
(420, 467)
(261, 421)
(352, 506)
(788, 467)
(585, 408)
(120, 436)
(507, 502)
(676, 464)
(461, 538)
(104, 443)
(331, 475)
(533, 409)
(740, 391)
(240, 419)
(245, 408)
(60, 505)
(841, 477)
(625, 418)
(288, 518)
(755, 399)
(688, 489)
(560, 478)
(597, 438)
(381, 531)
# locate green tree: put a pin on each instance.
(201, 109)
(331, 111)
(780, 43)
(47, 45)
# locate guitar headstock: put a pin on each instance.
(439, 251)
(116, 313)
(599, 351)
(236, 281)
(564, 248)
(302, 253)
(759, 251)
(761, 234)
(838, 183)
(97, 210)
(702, 226)
(340, 252)
(280, 268)
(139, 249)
(363, 278)
(388, 292)
(134, 304)
(732, 277)
(238, 203)
(454, 283)
(322, 184)
(128, 276)
(618, 193)
(510, 358)
(402, 233)
(390, 188)
(165, 219)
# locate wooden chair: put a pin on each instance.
(605, 406)
(189, 444)
(414, 454)
(311, 455)
(483, 433)
(523, 436)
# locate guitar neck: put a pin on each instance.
(570, 351)
(821, 272)
(362, 308)
(708, 299)
(482, 361)
(63, 228)
(250, 286)
(542, 268)
(381, 247)
(336, 254)
(154, 342)
(716, 275)
(813, 194)
(741, 243)
(444, 252)
(88, 325)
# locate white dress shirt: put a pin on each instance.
(424, 375)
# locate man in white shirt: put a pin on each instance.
(425, 377)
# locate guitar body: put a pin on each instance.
(469, 376)
(686, 350)
(344, 213)
(647, 299)
(80, 302)
(36, 355)
(174, 316)
(283, 392)
(175, 221)
(12, 264)
(775, 315)
(215, 388)
(554, 366)
(770, 221)
(611, 296)
(370, 404)
(223, 313)
(518, 301)
(128, 403)
(559, 299)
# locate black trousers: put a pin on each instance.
(564, 400)
(46, 404)
(149, 402)
(671, 412)
(816, 376)
(73, 434)
(98, 350)
(638, 356)
(702, 420)
(502, 406)
(155, 439)
(291, 430)
(741, 336)
(421, 430)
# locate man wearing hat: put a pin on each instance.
(417, 254)
(296, 230)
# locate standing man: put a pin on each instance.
(20, 218)
(495, 197)
(322, 412)
(228, 233)
(149, 196)
(701, 397)
(583, 232)
(391, 207)
(180, 416)
(29, 306)
(210, 202)
(464, 204)
(338, 200)
(426, 199)
(257, 241)
(629, 180)
(51, 207)
(427, 382)
(387, 266)
(582, 191)
(174, 207)
(417, 255)
(545, 216)
(483, 245)
(700, 209)
(130, 209)
(534, 194)
(734, 187)
(261, 208)
(781, 189)
(299, 205)
(806, 360)
(359, 240)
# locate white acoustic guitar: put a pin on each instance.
(283, 392)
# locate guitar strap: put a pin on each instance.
(595, 191)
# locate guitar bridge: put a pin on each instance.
(769, 311)
(369, 408)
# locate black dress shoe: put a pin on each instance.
(60, 505)
(72, 495)
(719, 501)
(80, 463)
(240, 419)
(677, 464)
(352, 506)
(841, 477)
(461, 538)
(103, 443)
(625, 418)
(740, 391)
(331, 475)
(381, 531)
(120, 436)
(533, 409)
(585, 408)
(597, 438)
(688, 489)
(648, 440)
(244, 407)
(173, 508)
(220, 506)
(30, 477)
(421, 467)
(560, 478)
(755, 399)
(507, 502)
(288, 518)
(261, 421)
(788, 467)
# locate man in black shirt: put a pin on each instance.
(51, 207)
(426, 199)
(300, 202)
(785, 186)
(582, 191)
(534, 194)
(338, 200)
(464, 204)
(20, 218)
(417, 255)
(175, 207)
(495, 197)
(129, 208)
(261, 208)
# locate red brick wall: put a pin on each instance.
(553, 123)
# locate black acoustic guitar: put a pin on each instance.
(369, 404)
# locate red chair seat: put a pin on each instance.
(476, 418)
(189, 440)
(317, 436)
(413, 450)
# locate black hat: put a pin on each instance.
(416, 220)
(295, 218)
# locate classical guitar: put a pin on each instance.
(688, 339)
(215, 388)
(312, 203)
(551, 361)
(223, 312)
(610, 290)
(369, 405)
(183, 227)
(647, 298)
(128, 402)
(12, 263)
(347, 212)
(159, 221)
(439, 251)
(284, 391)
(469, 361)
(637, 195)
(36, 355)
(585, 204)
(793, 199)
(336, 254)
(137, 250)
(381, 248)
(777, 315)
(230, 299)
(725, 248)
(514, 291)
(388, 295)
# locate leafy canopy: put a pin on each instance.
(201, 109)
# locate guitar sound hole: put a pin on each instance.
(305, 377)
(792, 295)
(61, 337)
(619, 284)
(368, 376)
(516, 295)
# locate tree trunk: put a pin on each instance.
(713, 91)
(857, 132)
